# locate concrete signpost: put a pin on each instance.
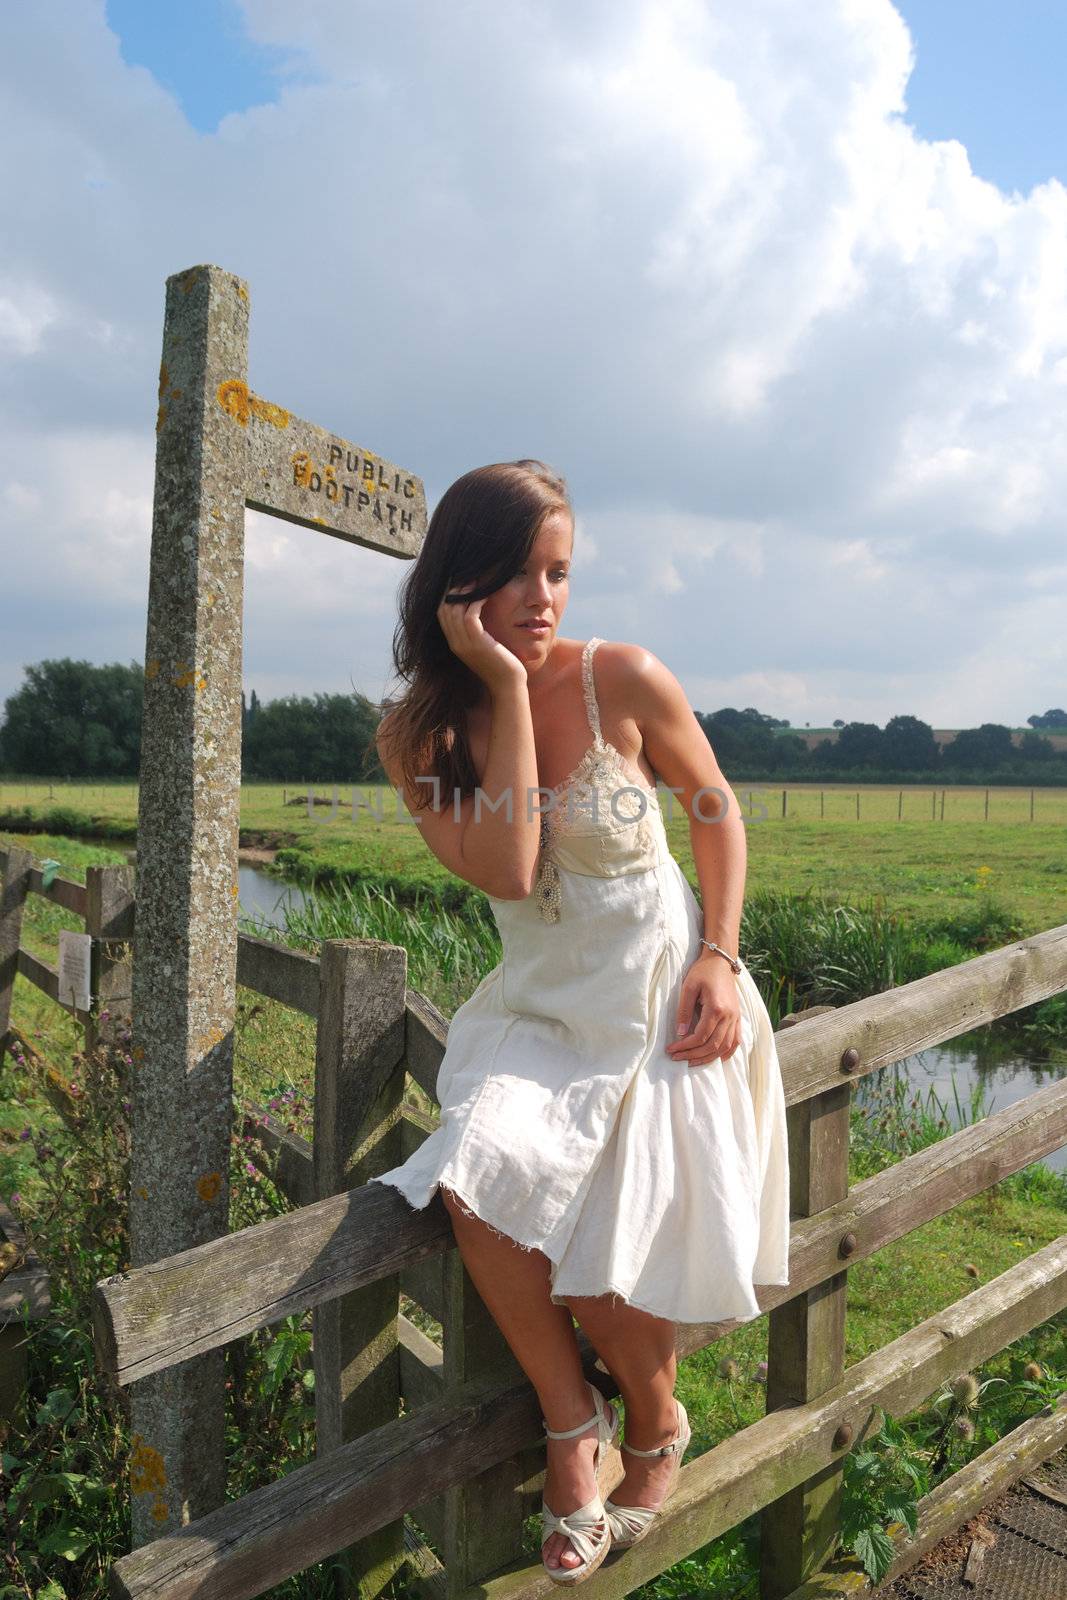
(219, 449)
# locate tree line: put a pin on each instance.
(71, 719)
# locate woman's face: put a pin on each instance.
(539, 592)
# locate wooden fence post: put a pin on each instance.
(109, 914)
(483, 1516)
(12, 900)
(359, 1084)
(806, 1349)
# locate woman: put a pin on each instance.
(612, 1142)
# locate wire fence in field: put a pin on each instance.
(865, 803)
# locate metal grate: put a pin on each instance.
(1028, 1562)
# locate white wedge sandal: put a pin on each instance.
(629, 1524)
(587, 1528)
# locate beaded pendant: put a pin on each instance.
(548, 884)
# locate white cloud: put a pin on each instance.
(804, 371)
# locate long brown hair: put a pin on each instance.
(482, 531)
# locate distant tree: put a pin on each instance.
(1032, 747)
(73, 719)
(909, 745)
(859, 744)
(739, 736)
(980, 748)
(248, 712)
(321, 738)
(1051, 719)
(765, 718)
(837, 723)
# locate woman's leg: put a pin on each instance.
(638, 1350)
(514, 1283)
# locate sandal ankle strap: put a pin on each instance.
(678, 1443)
(569, 1433)
(664, 1449)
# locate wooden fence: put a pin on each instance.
(451, 1434)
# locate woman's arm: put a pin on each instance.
(681, 756)
(495, 854)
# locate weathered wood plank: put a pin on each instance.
(18, 870)
(109, 919)
(427, 1033)
(273, 970)
(282, 1156)
(359, 1081)
(806, 1348)
(241, 1549)
(483, 1515)
(62, 891)
(171, 1309)
(46, 978)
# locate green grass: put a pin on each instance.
(916, 866)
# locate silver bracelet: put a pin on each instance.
(734, 962)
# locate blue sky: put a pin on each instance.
(802, 361)
(986, 73)
(990, 74)
(201, 52)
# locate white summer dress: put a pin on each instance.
(564, 1123)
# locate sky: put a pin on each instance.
(782, 291)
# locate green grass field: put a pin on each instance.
(919, 865)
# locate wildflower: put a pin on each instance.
(760, 1374)
(1033, 1371)
(728, 1369)
(27, 1133)
(970, 1269)
(16, 1199)
(104, 1015)
(965, 1389)
(249, 1167)
(963, 1428)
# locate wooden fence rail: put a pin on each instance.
(467, 1459)
(465, 1462)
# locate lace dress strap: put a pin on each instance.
(588, 690)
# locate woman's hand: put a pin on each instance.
(461, 624)
(715, 1033)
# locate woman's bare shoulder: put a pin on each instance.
(623, 664)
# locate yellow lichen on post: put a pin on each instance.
(208, 1186)
(233, 398)
(238, 401)
(267, 412)
(147, 1472)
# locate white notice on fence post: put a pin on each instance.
(74, 955)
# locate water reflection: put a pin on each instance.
(954, 1069)
(265, 897)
